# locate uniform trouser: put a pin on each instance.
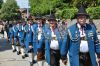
(41, 57)
(84, 59)
(55, 57)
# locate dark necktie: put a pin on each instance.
(82, 27)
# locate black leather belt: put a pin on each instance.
(54, 51)
(84, 56)
(83, 38)
(84, 53)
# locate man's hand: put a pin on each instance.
(64, 61)
(98, 60)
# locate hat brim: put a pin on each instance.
(78, 14)
(52, 20)
(38, 18)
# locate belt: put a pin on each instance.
(84, 53)
(83, 38)
(84, 56)
(54, 51)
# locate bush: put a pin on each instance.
(94, 12)
(67, 13)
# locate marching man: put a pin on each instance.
(52, 39)
(81, 42)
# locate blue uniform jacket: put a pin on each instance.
(35, 37)
(20, 33)
(71, 43)
(15, 32)
(46, 37)
(28, 35)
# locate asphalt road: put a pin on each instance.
(8, 58)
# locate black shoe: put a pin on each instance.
(26, 55)
(14, 50)
(34, 61)
(18, 52)
(23, 57)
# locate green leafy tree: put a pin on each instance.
(86, 3)
(1, 1)
(9, 10)
(44, 6)
(63, 8)
(94, 12)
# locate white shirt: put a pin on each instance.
(84, 44)
(54, 42)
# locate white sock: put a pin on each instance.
(22, 51)
(13, 47)
(18, 48)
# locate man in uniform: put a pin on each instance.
(23, 52)
(28, 39)
(52, 39)
(11, 36)
(20, 35)
(37, 34)
(81, 42)
(15, 31)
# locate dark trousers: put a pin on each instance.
(55, 57)
(84, 59)
(41, 55)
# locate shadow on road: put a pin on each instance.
(4, 45)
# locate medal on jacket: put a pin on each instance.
(53, 34)
(39, 31)
(82, 29)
